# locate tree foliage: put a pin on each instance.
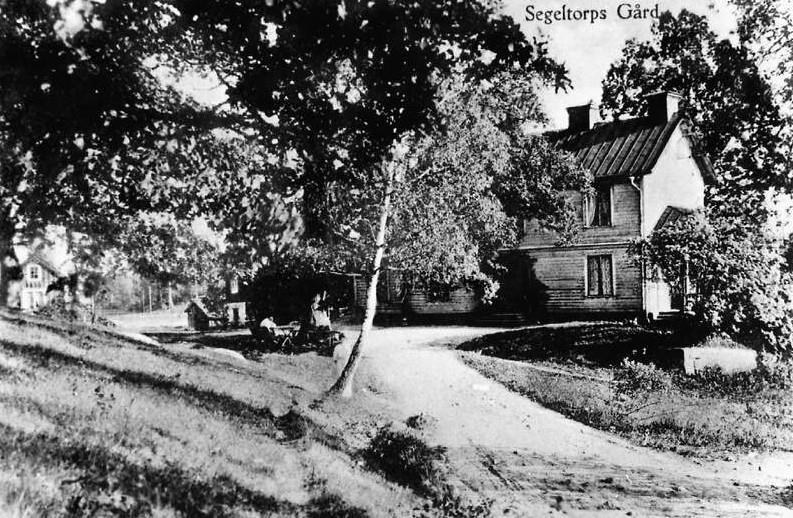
(470, 183)
(90, 135)
(742, 285)
(341, 82)
(765, 27)
(83, 118)
(163, 249)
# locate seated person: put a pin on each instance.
(265, 330)
(318, 317)
(268, 322)
(316, 328)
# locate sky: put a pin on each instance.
(589, 48)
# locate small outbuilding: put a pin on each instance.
(198, 316)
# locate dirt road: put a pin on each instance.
(534, 462)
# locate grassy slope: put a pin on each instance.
(90, 423)
(571, 369)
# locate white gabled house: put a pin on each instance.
(37, 275)
(42, 273)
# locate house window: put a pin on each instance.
(234, 286)
(599, 276)
(34, 273)
(597, 207)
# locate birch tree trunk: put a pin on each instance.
(343, 385)
(5, 249)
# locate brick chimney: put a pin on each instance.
(661, 106)
(582, 118)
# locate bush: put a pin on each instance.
(59, 309)
(407, 459)
(743, 285)
(638, 378)
(776, 372)
(403, 457)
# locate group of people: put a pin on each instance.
(315, 326)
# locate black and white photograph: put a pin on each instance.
(396, 258)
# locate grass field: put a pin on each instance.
(578, 371)
(93, 424)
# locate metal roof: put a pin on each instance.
(623, 148)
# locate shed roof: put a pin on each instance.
(198, 305)
(623, 148)
(670, 215)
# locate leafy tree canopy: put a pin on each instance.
(89, 134)
(336, 84)
(315, 93)
(469, 185)
(163, 249)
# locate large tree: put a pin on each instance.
(346, 87)
(90, 135)
(724, 93)
(471, 183)
(766, 27)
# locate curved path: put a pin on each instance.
(532, 461)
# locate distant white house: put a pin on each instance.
(38, 273)
(41, 267)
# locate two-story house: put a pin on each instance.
(647, 172)
(37, 275)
